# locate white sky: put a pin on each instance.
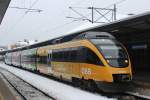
(52, 21)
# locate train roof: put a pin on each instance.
(93, 34)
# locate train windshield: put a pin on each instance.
(112, 51)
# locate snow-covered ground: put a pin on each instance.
(53, 88)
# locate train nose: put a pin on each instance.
(121, 77)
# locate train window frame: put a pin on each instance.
(110, 61)
(73, 54)
(49, 58)
(80, 55)
(97, 60)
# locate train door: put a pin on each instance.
(49, 58)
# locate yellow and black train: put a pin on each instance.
(91, 59)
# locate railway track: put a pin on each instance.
(130, 96)
(138, 96)
(24, 89)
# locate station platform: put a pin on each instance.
(142, 77)
(141, 83)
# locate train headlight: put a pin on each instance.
(126, 61)
(108, 61)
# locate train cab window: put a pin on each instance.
(115, 55)
(113, 52)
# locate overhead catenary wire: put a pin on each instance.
(102, 15)
(116, 3)
(22, 17)
(77, 3)
(31, 5)
(80, 2)
(63, 25)
(60, 26)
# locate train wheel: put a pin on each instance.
(88, 85)
(91, 86)
(75, 82)
(83, 84)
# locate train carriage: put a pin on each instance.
(97, 57)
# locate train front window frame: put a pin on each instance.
(116, 58)
(112, 51)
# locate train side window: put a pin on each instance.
(92, 58)
(42, 59)
(57, 55)
(73, 55)
(49, 57)
(81, 54)
(65, 55)
(62, 55)
(54, 56)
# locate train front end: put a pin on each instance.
(116, 74)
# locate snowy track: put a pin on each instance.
(57, 90)
(25, 90)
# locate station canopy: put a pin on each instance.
(3, 7)
(131, 24)
(131, 29)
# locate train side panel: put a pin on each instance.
(28, 59)
(42, 61)
(16, 58)
(8, 58)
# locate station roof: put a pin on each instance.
(3, 7)
(126, 29)
(132, 28)
(135, 23)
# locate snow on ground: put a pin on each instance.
(53, 88)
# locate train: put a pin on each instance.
(91, 59)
